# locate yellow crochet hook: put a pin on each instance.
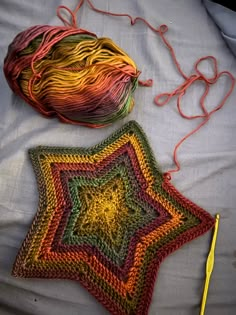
(210, 265)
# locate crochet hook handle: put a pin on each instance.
(210, 265)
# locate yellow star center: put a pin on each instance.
(103, 211)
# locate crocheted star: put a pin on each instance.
(107, 217)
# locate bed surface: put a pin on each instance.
(208, 159)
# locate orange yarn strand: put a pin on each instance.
(182, 89)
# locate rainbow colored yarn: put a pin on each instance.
(70, 73)
(107, 217)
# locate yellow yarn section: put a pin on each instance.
(67, 69)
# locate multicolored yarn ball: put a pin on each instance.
(70, 73)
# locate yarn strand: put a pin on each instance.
(181, 89)
(66, 71)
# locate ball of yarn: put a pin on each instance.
(72, 74)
